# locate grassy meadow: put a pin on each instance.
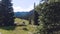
(28, 29)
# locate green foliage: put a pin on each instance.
(6, 13)
(49, 16)
(41, 27)
(36, 17)
(51, 1)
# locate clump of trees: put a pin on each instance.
(49, 17)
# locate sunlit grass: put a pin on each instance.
(19, 29)
(20, 21)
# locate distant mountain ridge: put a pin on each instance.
(23, 15)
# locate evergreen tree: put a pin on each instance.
(6, 13)
(49, 17)
(52, 17)
(36, 16)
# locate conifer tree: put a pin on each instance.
(50, 16)
(6, 13)
(36, 16)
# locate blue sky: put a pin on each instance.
(24, 5)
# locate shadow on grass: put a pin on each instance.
(8, 27)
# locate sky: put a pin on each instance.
(24, 5)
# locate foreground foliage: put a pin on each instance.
(49, 18)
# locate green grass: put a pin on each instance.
(20, 21)
(18, 29)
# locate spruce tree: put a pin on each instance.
(6, 13)
(51, 14)
(50, 17)
(36, 16)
